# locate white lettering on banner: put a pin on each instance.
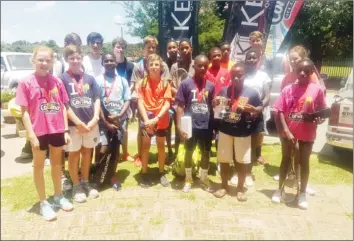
(278, 12)
(194, 95)
(181, 25)
(249, 21)
(182, 8)
(254, 3)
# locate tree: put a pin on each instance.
(326, 28)
(143, 21)
(142, 17)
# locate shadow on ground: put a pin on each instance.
(342, 158)
(9, 136)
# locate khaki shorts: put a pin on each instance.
(228, 145)
(87, 140)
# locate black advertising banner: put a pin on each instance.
(266, 20)
(177, 19)
(245, 17)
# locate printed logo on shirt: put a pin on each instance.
(233, 117)
(296, 116)
(112, 105)
(81, 102)
(199, 108)
(222, 80)
(49, 107)
(86, 88)
(54, 92)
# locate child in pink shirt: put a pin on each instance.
(295, 103)
(42, 98)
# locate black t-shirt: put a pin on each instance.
(200, 111)
(125, 70)
(238, 123)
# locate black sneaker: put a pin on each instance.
(163, 180)
(144, 181)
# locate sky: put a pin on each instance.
(44, 20)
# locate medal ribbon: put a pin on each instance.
(234, 101)
(200, 92)
(78, 85)
(108, 92)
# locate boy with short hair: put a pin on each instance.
(93, 61)
(83, 114)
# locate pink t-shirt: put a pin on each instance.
(296, 99)
(44, 98)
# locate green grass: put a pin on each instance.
(19, 192)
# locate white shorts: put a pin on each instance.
(87, 140)
(228, 145)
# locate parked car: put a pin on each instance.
(340, 126)
(14, 67)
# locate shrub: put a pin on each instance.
(7, 95)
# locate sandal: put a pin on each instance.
(220, 193)
(241, 196)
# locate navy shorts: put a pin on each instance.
(56, 140)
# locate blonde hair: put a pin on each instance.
(300, 50)
(256, 34)
(70, 50)
(43, 48)
(149, 40)
(154, 57)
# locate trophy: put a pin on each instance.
(221, 111)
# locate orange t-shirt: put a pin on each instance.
(154, 94)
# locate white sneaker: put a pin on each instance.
(249, 181)
(301, 202)
(65, 184)
(234, 180)
(276, 198)
(79, 194)
(276, 177)
(310, 191)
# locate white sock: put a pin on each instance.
(189, 174)
(203, 174)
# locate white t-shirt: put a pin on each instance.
(258, 81)
(93, 66)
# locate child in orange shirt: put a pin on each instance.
(154, 97)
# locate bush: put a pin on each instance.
(7, 95)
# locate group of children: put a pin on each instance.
(81, 103)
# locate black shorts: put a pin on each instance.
(202, 137)
(56, 140)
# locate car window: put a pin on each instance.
(3, 62)
(20, 62)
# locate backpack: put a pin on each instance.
(178, 166)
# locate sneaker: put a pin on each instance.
(163, 180)
(276, 177)
(91, 192)
(301, 202)
(187, 187)
(63, 203)
(234, 180)
(310, 191)
(46, 210)
(249, 181)
(206, 186)
(144, 182)
(65, 184)
(276, 198)
(79, 194)
(137, 162)
(117, 186)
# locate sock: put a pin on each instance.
(203, 174)
(189, 174)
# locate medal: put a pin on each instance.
(108, 91)
(77, 84)
(200, 92)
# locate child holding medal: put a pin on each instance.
(115, 101)
(236, 129)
